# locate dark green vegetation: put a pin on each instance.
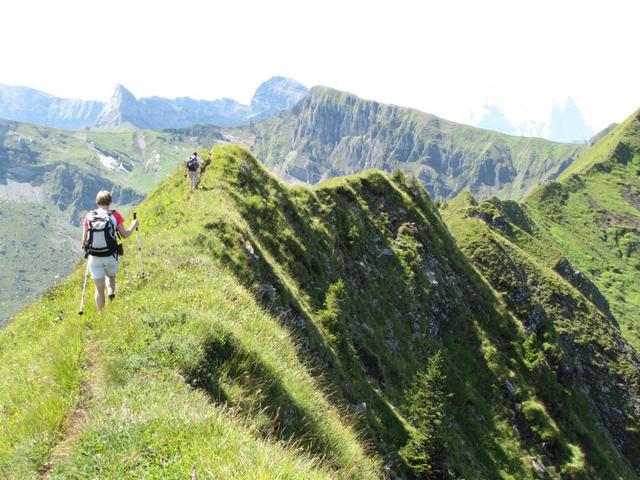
(274, 323)
(586, 226)
(331, 133)
(582, 231)
(49, 177)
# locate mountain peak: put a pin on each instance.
(563, 123)
(494, 119)
(276, 94)
(28, 105)
(614, 143)
(122, 92)
(123, 107)
(567, 123)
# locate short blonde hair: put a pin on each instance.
(103, 198)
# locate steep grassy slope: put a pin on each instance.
(27, 263)
(273, 323)
(333, 133)
(592, 215)
(567, 320)
(187, 376)
(341, 269)
(49, 177)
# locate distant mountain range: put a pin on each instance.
(154, 113)
(27, 105)
(565, 123)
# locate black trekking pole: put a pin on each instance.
(139, 246)
(84, 287)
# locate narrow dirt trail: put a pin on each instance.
(75, 421)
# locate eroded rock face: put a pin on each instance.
(122, 107)
(331, 133)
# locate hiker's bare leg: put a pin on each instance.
(111, 285)
(99, 282)
(194, 180)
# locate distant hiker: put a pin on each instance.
(99, 229)
(192, 167)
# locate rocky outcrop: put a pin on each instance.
(123, 107)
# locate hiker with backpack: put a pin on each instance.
(100, 228)
(192, 167)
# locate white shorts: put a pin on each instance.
(101, 266)
(194, 178)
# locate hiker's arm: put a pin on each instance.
(126, 232)
(85, 230)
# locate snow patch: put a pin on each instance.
(111, 163)
(20, 136)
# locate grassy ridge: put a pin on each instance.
(156, 409)
(334, 332)
(602, 149)
(567, 327)
(593, 217)
(326, 258)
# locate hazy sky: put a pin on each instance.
(444, 57)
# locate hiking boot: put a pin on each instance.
(112, 297)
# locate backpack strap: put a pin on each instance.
(89, 239)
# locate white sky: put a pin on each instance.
(444, 57)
